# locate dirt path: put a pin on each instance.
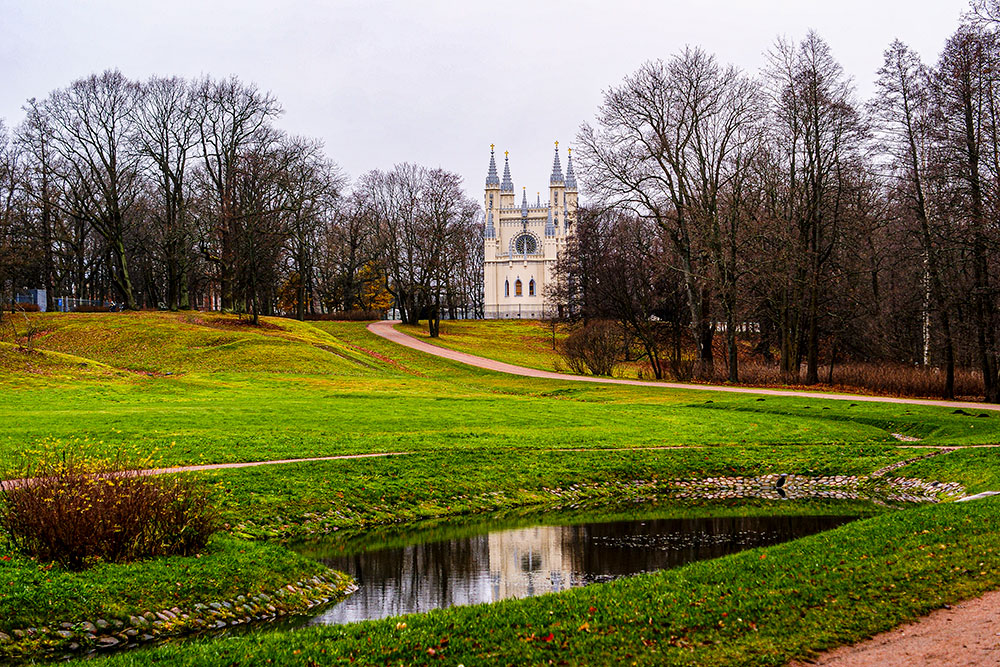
(6, 484)
(251, 464)
(385, 330)
(966, 635)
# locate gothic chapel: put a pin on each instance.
(523, 242)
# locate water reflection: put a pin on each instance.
(542, 559)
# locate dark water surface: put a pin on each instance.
(521, 562)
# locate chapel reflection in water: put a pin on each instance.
(542, 559)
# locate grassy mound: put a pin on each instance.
(17, 362)
(168, 343)
(193, 388)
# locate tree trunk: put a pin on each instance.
(731, 349)
(121, 278)
(434, 319)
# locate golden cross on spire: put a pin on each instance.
(557, 144)
(491, 148)
(506, 153)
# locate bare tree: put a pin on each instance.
(233, 121)
(966, 101)
(12, 255)
(621, 260)
(93, 120)
(446, 215)
(419, 216)
(672, 143)
(313, 184)
(166, 133)
(902, 111)
(818, 136)
(35, 136)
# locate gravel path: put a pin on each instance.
(965, 635)
(385, 330)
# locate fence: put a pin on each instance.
(518, 312)
(65, 304)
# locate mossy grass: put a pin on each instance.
(531, 343)
(978, 468)
(760, 607)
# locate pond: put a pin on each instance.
(442, 568)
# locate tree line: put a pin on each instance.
(779, 210)
(173, 193)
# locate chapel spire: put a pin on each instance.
(492, 179)
(506, 185)
(570, 175)
(557, 175)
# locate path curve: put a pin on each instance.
(385, 329)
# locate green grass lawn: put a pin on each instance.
(281, 393)
(200, 388)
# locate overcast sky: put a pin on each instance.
(435, 82)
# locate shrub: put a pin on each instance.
(886, 378)
(596, 347)
(26, 307)
(79, 513)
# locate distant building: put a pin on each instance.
(524, 242)
(35, 297)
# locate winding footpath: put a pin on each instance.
(386, 329)
(964, 635)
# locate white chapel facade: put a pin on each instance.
(523, 242)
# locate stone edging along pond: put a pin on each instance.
(100, 635)
(877, 488)
(832, 487)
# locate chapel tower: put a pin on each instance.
(524, 242)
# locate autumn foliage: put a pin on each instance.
(80, 513)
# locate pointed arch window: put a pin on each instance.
(518, 288)
(506, 288)
(531, 287)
